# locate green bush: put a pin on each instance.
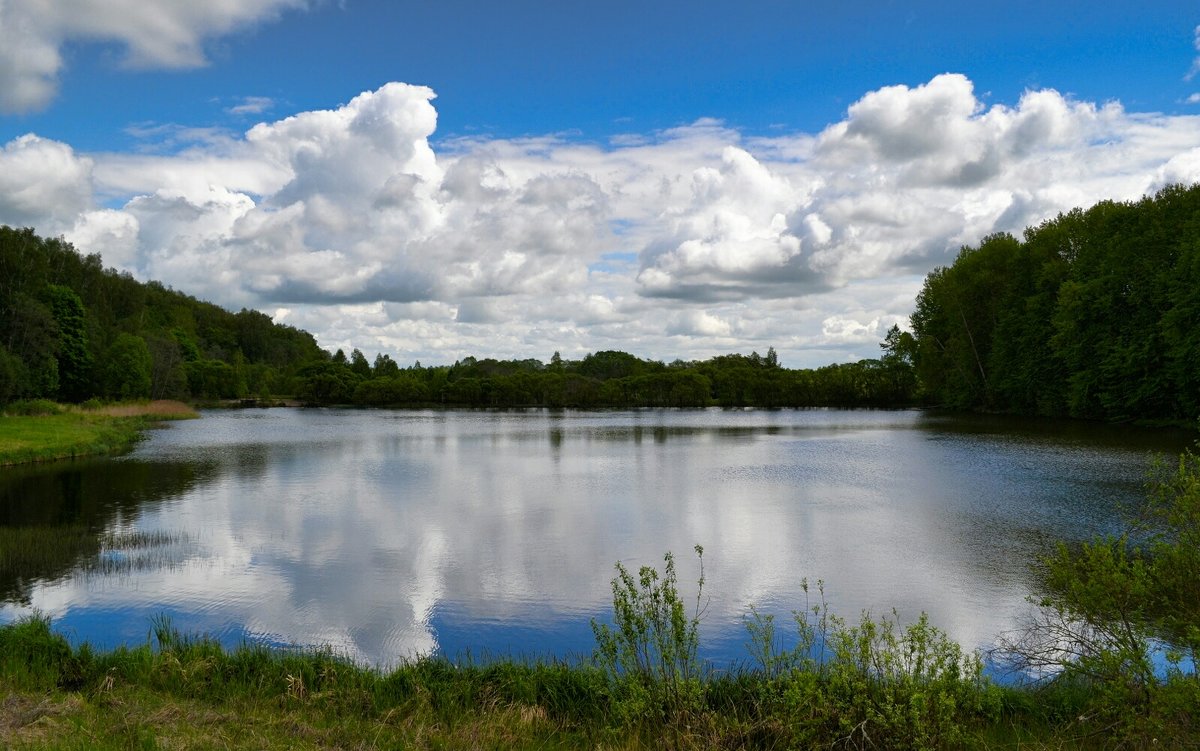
(1120, 619)
(33, 408)
(871, 685)
(649, 653)
(904, 688)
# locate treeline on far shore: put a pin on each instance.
(71, 330)
(613, 379)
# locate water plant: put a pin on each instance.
(873, 684)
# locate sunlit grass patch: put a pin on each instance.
(44, 431)
(64, 436)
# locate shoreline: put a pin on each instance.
(46, 431)
(181, 691)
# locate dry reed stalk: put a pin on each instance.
(157, 408)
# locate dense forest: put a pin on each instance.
(72, 330)
(1095, 314)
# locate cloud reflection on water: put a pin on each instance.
(368, 530)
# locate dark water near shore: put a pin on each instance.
(393, 533)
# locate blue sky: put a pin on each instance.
(510, 69)
(674, 179)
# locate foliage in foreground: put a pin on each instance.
(1120, 621)
(434, 702)
(872, 684)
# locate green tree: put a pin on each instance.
(127, 366)
(72, 353)
(328, 382)
(168, 379)
(33, 338)
(384, 367)
(359, 364)
(214, 379)
(11, 371)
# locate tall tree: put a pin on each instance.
(127, 367)
(72, 353)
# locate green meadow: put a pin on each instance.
(39, 430)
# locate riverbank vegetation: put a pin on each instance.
(1112, 652)
(40, 430)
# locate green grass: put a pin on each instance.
(189, 692)
(43, 431)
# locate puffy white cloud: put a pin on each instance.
(166, 33)
(115, 231)
(839, 329)
(698, 323)
(732, 230)
(1183, 168)
(682, 243)
(939, 135)
(43, 183)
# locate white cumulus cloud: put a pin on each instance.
(682, 243)
(43, 182)
(160, 34)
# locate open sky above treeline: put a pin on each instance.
(437, 180)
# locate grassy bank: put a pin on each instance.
(177, 692)
(44, 431)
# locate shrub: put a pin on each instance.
(649, 652)
(33, 408)
(1120, 621)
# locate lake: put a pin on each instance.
(390, 534)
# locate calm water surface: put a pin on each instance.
(395, 533)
